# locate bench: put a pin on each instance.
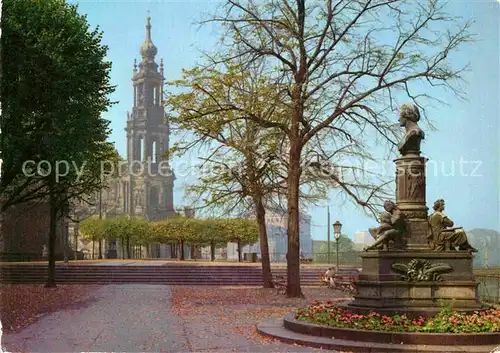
(345, 283)
(344, 280)
(325, 281)
(280, 284)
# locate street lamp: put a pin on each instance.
(337, 229)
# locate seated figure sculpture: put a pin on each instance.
(440, 232)
(391, 230)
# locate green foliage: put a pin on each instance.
(203, 232)
(135, 230)
(244, 231)
(55, 86)
(347, 253)
(95, 229)
(245, 159)
(140, 231)
(212, 231)
(173, 230)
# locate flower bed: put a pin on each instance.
(447, 321)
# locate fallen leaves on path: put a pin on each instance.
(225, 311)
(186, 298)
(22, 304)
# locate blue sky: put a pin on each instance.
(467, 131)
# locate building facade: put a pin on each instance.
(144, 186)
(277, 225)
(362, 239)
(24, 233)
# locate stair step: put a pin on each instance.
(167, 274)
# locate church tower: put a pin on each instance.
(148, 189)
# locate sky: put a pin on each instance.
(466, 131)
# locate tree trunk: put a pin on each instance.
(293, 255)
(51, 275)
(267, 276)
(65, 241)
(181, 250)
(122, 243)
(127, 246)
(2, 236)
(75, 231)
(212, 250)
(191, 251)
(239, 251)
(173, 251)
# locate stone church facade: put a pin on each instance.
(144, 187)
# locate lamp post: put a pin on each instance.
(337, 229)
(328, 239)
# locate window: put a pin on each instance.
(141, 148)
(153, 152)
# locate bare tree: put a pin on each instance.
(340, 70)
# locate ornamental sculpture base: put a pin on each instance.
(416, 282)
(418, 229)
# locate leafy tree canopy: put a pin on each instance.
(55, 86)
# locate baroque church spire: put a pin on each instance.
(148, 50)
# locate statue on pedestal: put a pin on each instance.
(411, 280)
(440, 233)
(408, 118)
(391, 231)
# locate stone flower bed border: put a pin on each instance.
(416, 338)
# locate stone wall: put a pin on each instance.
(26, 227)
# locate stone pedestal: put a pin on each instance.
(380, 288)
(414, 279)
(410, 198)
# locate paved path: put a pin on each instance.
(128, 318)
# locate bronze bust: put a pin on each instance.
(408, 118)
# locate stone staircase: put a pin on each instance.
(166, 274)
